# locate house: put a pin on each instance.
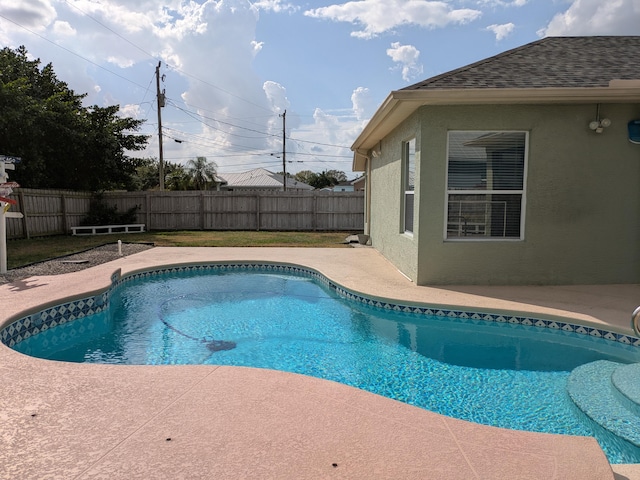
(359, 183)
(260, 179)
(343, 187)
(518, 169)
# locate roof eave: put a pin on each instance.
(402, 103)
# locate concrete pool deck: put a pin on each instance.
(82, 421)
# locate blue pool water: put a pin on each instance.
(510, 376)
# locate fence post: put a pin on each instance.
(201, 210)
(147, 207)
(23, 207)
(258, 212)
(65, 220)
(314, 225)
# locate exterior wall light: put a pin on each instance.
(598, 125)
(377, 150)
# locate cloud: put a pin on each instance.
(33, 14)
(63, 29)
(133, 111)
(595, 17)
(363, 104)
(216, 102)
(503, 3)
(277, 96)
(379, 16)
(275, 6)
(501, 31)
(407, 58)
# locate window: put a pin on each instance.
(485, 185)
(408, 182)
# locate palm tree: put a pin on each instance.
(202, 173)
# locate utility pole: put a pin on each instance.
(160, 96)
(284, 151)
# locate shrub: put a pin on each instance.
(102, 214)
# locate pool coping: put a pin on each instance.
(99, 434)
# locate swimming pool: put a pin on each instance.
(506, 372)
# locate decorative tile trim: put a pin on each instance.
(34, 323)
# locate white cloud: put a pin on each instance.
(133, 111)
(216, 103)
(595, 17)
(277, 96)
(407, 58)
(63, 29)
(501, 31)
(257, 46)
(503, 3)
(363, 105)
(275, 6)
(122, 62)
(379, 16)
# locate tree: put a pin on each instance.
(306, 176)
(202, 172)
(327, 178)
(147, 176)
(336, 176)
(62, 143)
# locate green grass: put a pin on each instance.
(23, 252)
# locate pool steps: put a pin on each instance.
(609, 394)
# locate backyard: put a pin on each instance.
(23, 252)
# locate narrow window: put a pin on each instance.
(408, 181)
(485, 185)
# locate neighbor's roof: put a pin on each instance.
(260, 178)
(551, 70)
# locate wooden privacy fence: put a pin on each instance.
(54, 212)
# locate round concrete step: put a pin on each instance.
(590, 388)
(626, 379)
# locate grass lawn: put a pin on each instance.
(23, 252)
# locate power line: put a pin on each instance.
(72, 52)
(191, 114)
(173, 67)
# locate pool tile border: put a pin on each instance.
(32, 324)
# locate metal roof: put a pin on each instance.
(260, 178)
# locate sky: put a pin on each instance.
(237, 75)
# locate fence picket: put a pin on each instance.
(54, 212)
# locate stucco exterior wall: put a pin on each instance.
(582, 210)
(387, 200)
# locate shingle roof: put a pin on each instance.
(567, 62)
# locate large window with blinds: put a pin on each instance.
(408, 183)
(486, 185)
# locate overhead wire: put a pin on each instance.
(175, 105)
(72, 52)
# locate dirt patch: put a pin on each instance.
(75, 262)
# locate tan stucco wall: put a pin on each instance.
(582, 223)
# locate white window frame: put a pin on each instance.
(522, 192)
(408, 154)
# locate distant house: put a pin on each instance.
(259, 179)
(343, 187)
(517, 169)
(359, 183)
